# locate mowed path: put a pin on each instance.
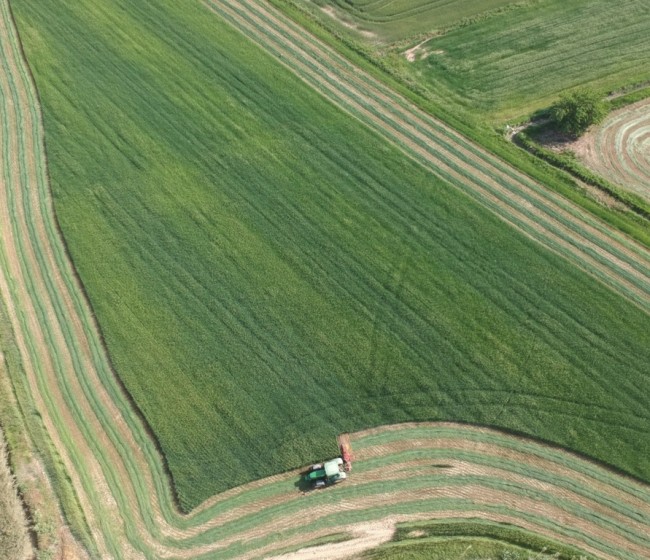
(118, 477)
(544, 216)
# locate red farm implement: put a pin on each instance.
(346, 451)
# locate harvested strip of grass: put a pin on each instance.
(501, 532)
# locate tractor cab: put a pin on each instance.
(334, 471)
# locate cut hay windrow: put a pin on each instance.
(621, 148)
(118, 476)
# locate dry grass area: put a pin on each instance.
(619, 149)
(14, 541)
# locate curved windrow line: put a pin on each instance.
(541, 214)
(119, 478)
(621, 148)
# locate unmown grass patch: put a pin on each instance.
(460, 548)
(629, 97)
(14, 540)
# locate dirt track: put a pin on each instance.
(115, 469)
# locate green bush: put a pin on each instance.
(575, 112)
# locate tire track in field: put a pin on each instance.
(540, 214)
(113, 466)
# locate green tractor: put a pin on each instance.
(324, 474)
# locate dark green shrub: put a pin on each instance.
(575, 112)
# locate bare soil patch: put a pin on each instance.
(420, 51)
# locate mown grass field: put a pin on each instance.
(472, 540)
(620, 148)
(522, 59)
(267, 274)
(394, 20)
(519, 58)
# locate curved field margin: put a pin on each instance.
(619, 149)
(402, 473)
(517, 199)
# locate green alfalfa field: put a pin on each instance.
(267, 273)
(523, 60)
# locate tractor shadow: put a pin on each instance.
(302, 484)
